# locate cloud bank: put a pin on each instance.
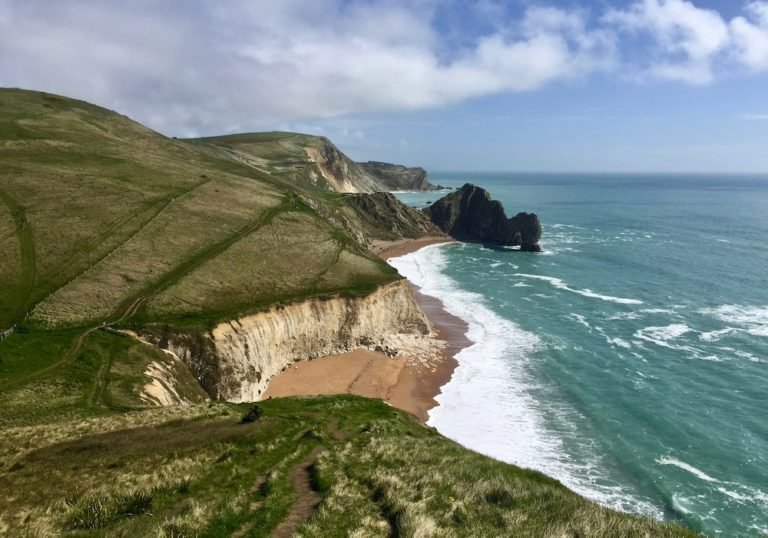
(202, 67)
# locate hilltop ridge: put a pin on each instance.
(312, 162)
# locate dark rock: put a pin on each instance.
(252, 416)
(469, 214)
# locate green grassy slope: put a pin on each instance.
(100, 214)
(371, 470)
(280, 154)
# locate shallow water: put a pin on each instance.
(630, 359)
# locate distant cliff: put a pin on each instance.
(313, 162)
(395, 177)
(469, 214)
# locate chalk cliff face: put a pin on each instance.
(469, 214)
(395, 177)
(339, 172)
(237, 359)
(313, 162)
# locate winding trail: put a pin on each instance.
(308, 498)
(129, 306)
(28, 261)
(66, 358)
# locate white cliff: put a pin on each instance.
(236, 360)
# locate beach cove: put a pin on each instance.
(408, 381)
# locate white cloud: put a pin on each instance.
(691, 42)
(687, 36)
(207, 67)
(232, 66)
(750, 35)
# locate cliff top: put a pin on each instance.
(312, 162)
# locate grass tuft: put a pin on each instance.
(99, 512)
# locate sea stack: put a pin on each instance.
(470, 214)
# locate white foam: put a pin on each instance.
(714, 336)
(759, 331)
(662, 335)
(488, 405)
(560, 284)
(746, 355)
(623, 316)
(656, 311)
(686, 467)
(567, 226)
(521, 285)
(753, 319)
(581, 320)
(619, 342)
(734, 495)
(678, 503)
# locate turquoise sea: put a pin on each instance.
(630, 359)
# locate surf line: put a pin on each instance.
(560, 284)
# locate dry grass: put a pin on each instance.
(10, 261)
(187, 225)
(293, 256)
(198, 471)
(426, 486)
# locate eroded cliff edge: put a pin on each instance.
(236, 360)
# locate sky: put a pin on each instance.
(480, 85)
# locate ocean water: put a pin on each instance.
(630, 359)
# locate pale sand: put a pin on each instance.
(401, 247)
(409, 381)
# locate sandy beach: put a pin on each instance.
(401, 247)
(409, 381)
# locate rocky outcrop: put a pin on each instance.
(236, 360)
(338, 171)
(382, 216)
(395, 177)
(469, 214)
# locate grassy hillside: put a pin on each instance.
(100, 216)
(105, 224)
(309, 162)
(322, 467)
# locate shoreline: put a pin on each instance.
(410, 381)
(394, 249)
